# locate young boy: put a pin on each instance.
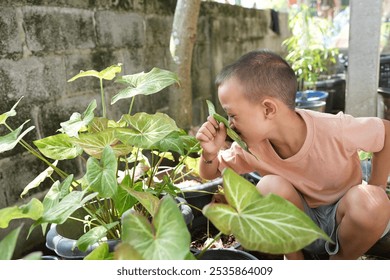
(307, 157)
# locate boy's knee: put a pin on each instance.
(272, 184)
(280, 186)
(369, 205)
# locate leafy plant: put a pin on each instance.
(127, 193)
(308, 51)
(123, 161)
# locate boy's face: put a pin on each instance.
(245, 117)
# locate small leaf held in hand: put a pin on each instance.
(230, 132)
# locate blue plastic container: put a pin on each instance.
(311, 95)
(312, 100)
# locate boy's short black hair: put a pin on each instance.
(263, 73)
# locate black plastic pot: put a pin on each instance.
(199, 195)
(225, 254)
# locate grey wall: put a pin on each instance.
(43, 43)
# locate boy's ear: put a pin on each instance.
(270, 108)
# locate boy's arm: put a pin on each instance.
(381, 161)
(211, 136)
(208, 169)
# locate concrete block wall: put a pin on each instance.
(43, 43)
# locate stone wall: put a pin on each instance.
(43, 43)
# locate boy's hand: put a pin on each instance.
(211, 136)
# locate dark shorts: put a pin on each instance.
(325, 218)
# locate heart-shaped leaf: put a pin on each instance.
(32, 210)
(167, 238)
(58, 147)
(145, 130)
(94, 143)
(148, 200)
(145, 83)
(268, 224)
(101, 175)
(106, 74)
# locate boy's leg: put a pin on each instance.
(362, 216)
(280, 186)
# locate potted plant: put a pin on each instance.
(129, 197)
(123, 163)
(310, 56)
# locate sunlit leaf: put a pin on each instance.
(39, 179)
(94, 143)
(145, 83)
(58, 147)
(107, 74)
(32, 210)
(268, 224)
(78, 122)
(145, 130)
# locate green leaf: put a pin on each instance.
(39, 179)
(173, 142)
(145, 130)
(145, 83)
(32, 210)
(8, 244)
(102, 252)
(57, 192)
(78, 122)
(230, 132)
(10, 113)
(101, 175)
(268, 224)
(58, 147)
(124, 251)
(148, 200)
(107, 74)
(94, 143)
(93, 236)
(167, 238)
(60, 212)
(9, 141)
(123, 200)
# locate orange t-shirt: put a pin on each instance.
(326, 166)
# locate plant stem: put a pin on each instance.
(131, 104)
(218, 236)
(103, 98)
